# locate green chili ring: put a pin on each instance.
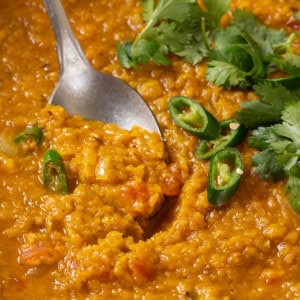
(232, 132)
(226, 169)
(192, 117)
(54, 174)
(34, 132)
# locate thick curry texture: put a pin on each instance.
(104, 240)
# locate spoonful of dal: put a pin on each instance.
(83, 90)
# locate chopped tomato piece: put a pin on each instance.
(141, 199)
(38, 254)
(172, 181)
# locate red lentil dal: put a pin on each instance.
(94, 243)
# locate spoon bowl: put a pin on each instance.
(83, 90)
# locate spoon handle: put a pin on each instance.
(70, 54)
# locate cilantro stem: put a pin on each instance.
(286, 46)
(258, 70)
(140, 37)
(203, 35)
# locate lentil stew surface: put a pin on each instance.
(102, 240)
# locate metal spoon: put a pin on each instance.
(83, 90)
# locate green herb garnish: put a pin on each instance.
(239, 55)
(54, 173)
(247, 51)
(275, 120)
(280, 151)
(273, 97)
(35, 133)
(172, 26)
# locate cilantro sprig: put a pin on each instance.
(172, 26)
(273, 96)
(236, 56)
(247, 51)
(275, 120)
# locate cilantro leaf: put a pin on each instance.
(124, 54)
(145, 50)
(225, 74)
(191, 53)
(267, 166)
(268, 110)
(180, 42)
(255, 113)
(289, 63)
(290, 127)
(214, 12)
(265, 37)
(265, 161)
(178, 10)
(291, 84)
(262, 137)
(273, 91)
(229, 47)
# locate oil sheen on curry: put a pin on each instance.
(92, 211)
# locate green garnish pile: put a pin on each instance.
(172, 26)
(240, 55)
(276, 123)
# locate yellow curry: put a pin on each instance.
(136, 222)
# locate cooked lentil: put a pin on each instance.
(101, 241)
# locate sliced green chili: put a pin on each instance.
(192, 117)
(54, 174)
(226, 169)
(34, 132)
(232, 133)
